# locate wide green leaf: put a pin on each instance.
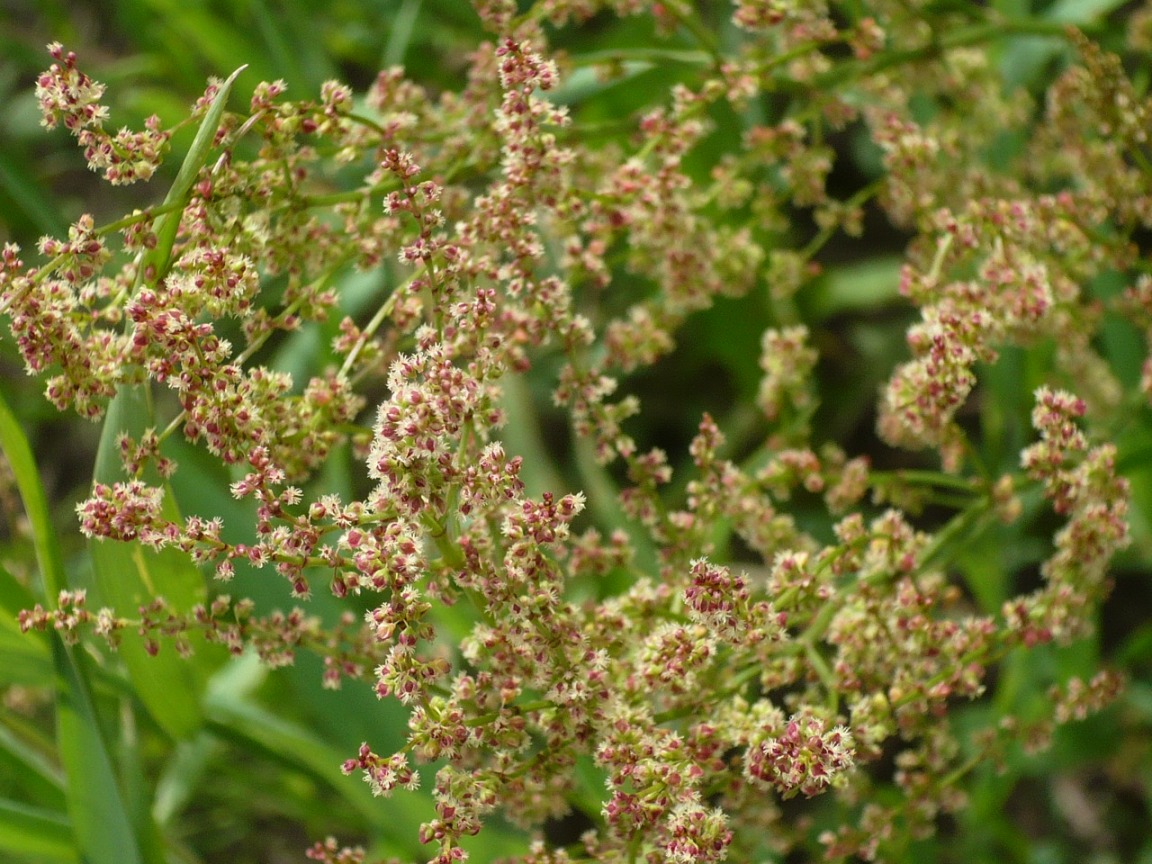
(130, 575)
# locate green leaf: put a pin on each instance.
(862, 286)
(27, 657)
(521, 437)
(102, 826)
(211, 37)
(400, 35)
(45, 834)
(182, 775)
(604, 507)
(289, 48)
(1135, 464)
(14, 443)
(129, 575)
(22, 759)
(159, 258)
(234, 717)
(101, 822)
(1081, 11)
(36, 204)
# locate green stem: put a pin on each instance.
(916, 477)
(688, 19)
(824, 673)
(959, 38)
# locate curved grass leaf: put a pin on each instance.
(34, 203)
(400, 34)
(129, 575)
(22, 759)
(101, 823)
(15, 445)
(27, 657)
(871, 284)
(100, 818)
(604, 506)
(287, 43)
(522, 437)
(182, 775)
(159, 258)
(32, 831)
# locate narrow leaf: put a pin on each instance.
(30, 196)
(32, 831)
(27, 657)
(14, 443)
(234, 717)
(1081, 11)
(160, 258)
(22, 759)
(129, 575)
(102, 827)
(100, 819)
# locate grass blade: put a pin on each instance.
(101, 824)
(32, 831)
(235, 718)
(158, 260)
(27, 657)
(100, 819)
(22, 759)
(14, 443)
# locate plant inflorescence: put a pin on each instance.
(789, 620)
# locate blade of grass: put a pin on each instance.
(157, 261)
(28, 195)
(100, 819)
(39, 782)
(521, 436)
(182, 776)
(14, 443)
(102, 825)
(604, 506)
(400, 36)
(870, 285)
(32, 831)
(27, 657)
(289, 44)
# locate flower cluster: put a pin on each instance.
(70, 98)
(1082, 484)
(790, 619)
(803, 757)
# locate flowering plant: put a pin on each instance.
(802, 639)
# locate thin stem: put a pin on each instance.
(386, 309)
(686, 16)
